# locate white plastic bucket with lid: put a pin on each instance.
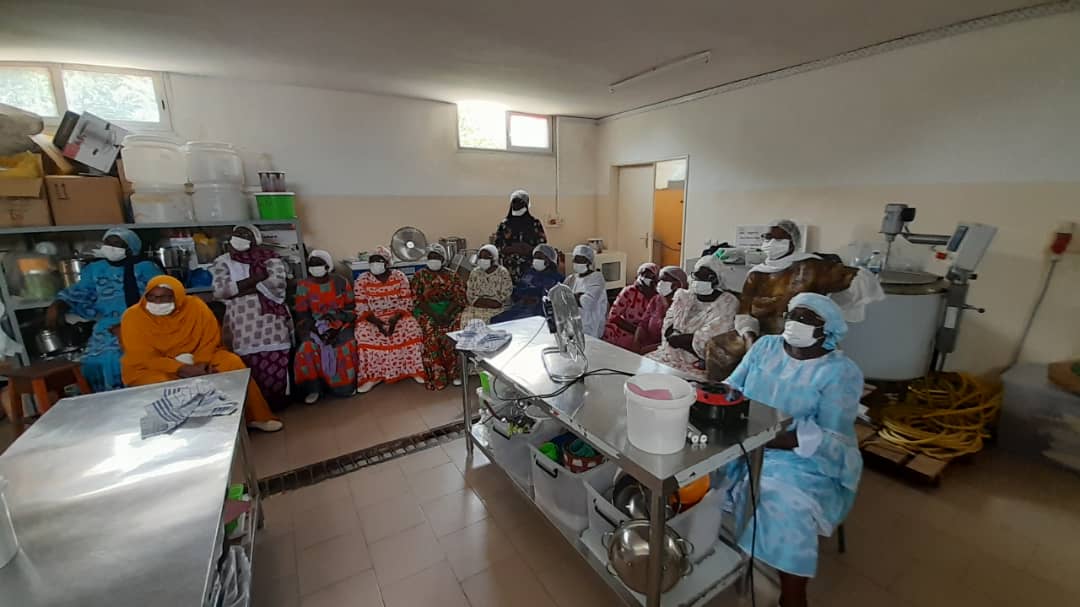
(220, 202)
(154, 159)
(657, 423)
(210, 162)
(161, 204)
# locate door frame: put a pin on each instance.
(614, 188)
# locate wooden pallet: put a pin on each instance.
(887, 457)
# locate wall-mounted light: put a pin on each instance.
(702, 57)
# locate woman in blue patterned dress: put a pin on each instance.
(105, 289)
(811, 472)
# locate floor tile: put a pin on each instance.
(405, 554)
(376, 483)
(487, 481)
(400, 424)
(325, 521)
(275, 556)
(358, 591)
(388, 517)
(434, 586)
(440, 414)
(572, 583)
(276, 592)
(423, 460)
(326, 491)
(277, 514)
(511, 510)
(541, 545)
(474, 548)
(507, 582)
(435, 482)
(332, 561)
(453, 511)
(358, 434)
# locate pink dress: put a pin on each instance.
(631, 304)
(378, 357)
(653, 323)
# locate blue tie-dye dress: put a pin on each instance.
(808, 491)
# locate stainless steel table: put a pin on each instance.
(595, 409)
(105, 518)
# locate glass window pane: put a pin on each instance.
(112, 96)
(28, 88)
(482, 125)
(529, 131)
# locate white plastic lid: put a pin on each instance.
(151, 139)
(219, 185)
(211, 146)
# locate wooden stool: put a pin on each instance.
(36, 380)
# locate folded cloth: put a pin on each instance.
(179, 403)
(477, 336)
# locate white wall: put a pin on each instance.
(983, 126)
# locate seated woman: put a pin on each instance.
(526, 300)
(810, 474)
(168, 335)
(695, 316)
(388, 338)
(440, 298)
(590, 289)
(325, 311)
(105, 289)
(650, 330)
(488, 288)
(628, 311)
(250, 278)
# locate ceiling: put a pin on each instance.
(552, 57)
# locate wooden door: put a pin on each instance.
(635, 215)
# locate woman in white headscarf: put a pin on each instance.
(489, 287)
(589, 288)
(325, 313)
(440, 299)
(695, 316)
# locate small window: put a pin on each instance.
(28, 88)
(530, 132)
(489, 126)
(116, 97)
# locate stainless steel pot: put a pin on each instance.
(454, 245)
(49, 342)
(628, 556)
(173, 257)
(70, 270)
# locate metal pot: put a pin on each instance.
(173, 257)
(70, 270)
(628, 556)
(454, 245)
(49, 342)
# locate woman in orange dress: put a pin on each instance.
(169, 336)
(389, 341)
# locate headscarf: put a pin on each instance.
(548, 252)
(835, 325)
(776, 265)
(648, 265)
(384, 252)
(438, 248)
(519, 194)
(677, 273)
(254, 231)
(323, 255)
(131, 285)
(587, 252)
(791, 228)
(257, 257)
(490, 248)
(713, 263)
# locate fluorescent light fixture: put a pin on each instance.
(702, 57)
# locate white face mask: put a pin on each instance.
(701, 287)
(160, 309)
(799, 335)
(240, 244)
(483, 264)
(664, 288)
(377, 267)
(775, 249)
(519, 212)
(434, 264)
(581, 268)
(539, 265)
(317, 271)
(646, 281)
(113, 253)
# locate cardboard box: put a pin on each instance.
(125, 186)
(79, 200)
(23, 203)
(90, 140)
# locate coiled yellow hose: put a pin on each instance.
(945, 415)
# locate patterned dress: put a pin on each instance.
(378, 357)
(653, 322)
(326, 307)
(808, 491)
(688, 314)
(517, 230)
(260, 324)
(99, 296)
(495, 285)
(439, 290)
(630, 305)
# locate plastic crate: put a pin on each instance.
(561, 493)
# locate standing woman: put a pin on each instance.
(628, 311)
(250, 278)
(440, 299)
(489, 286)
(105, 289)
(325, 311)
(517, 234)
(650, 329)
(388, 338)
(590, 289)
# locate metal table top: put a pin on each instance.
(106, 518)
(596, 406)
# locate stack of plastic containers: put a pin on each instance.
(157, 170)
(217, 173)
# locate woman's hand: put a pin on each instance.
(682, 341)
(186, 371)
(625, 325)
(487, 302)
(378, 323)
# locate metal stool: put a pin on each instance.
(36, 380)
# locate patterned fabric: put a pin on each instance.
(270, 370)
(765, 296)
(495, 285)
(808, 491)
(532, 286)
(513, 230)
(322, 307)
(631, 305)
(379, 357)
(593, 300)
(99, 296)
(652, 322)
(688, 314)
(440, 290)
(254, 328)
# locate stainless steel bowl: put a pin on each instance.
(628, 556)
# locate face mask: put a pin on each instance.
(434, 264)
(519, 212)
(775, 249)
(317, 271)
(799, 335)
(377, 267)
(160, 309)
(113, 253)
(701, 287)
(646, 281)
(539, 265)
(664, 288)
(483, 264)
(581, 268)
(240, 244)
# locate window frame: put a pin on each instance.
(548, 151)
(56, 79)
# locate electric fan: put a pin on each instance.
(566, 362)
(408, 244)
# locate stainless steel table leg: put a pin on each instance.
(757, 461)
(657, 521)
(466, 414)
(252, 477)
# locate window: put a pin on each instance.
(489, 126)
(133, 99)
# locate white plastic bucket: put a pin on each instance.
(154, 159)
(658, 425)
(220, 202)
(210, 162)
(161, 204)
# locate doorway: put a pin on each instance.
(651, 205)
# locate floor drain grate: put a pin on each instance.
(351, 462)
